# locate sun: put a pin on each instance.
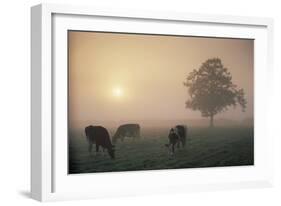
(117, 92)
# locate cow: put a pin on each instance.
(126, 130)
(177, 136)
(181, 130)
(99, 135)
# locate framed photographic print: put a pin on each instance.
(137, 102)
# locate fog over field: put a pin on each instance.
(218, 148)
(128, 77)
(135, 89)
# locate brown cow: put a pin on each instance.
(99, 135)
(127, 130)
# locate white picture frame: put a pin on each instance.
(49, 178)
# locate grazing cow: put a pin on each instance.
(99, 135)
(181, 130)
(177, 136)
(127, 130)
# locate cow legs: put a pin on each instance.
(183, 142)
(168, 146)
(90, 147)
(103, 151)
(97, 148)
(173, 148)
(178, 144)
(138, 134)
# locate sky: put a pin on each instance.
(119, 77)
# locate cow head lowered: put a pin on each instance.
(126, 130)
(99, 135)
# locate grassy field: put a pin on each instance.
(205, 148)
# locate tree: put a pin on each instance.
(211, 90)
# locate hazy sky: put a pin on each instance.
(138, 77)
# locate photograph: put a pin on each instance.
(141, 102)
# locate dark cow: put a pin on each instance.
(177, 136)
(181, 130)
(127, 130)
(99, 135)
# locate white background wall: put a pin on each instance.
(15, 101)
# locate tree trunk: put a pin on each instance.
(212, 121)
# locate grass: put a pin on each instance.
(205, 148)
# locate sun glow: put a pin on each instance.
(117, 92)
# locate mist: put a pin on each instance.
(122, 78)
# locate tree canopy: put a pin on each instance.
(211, 89)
